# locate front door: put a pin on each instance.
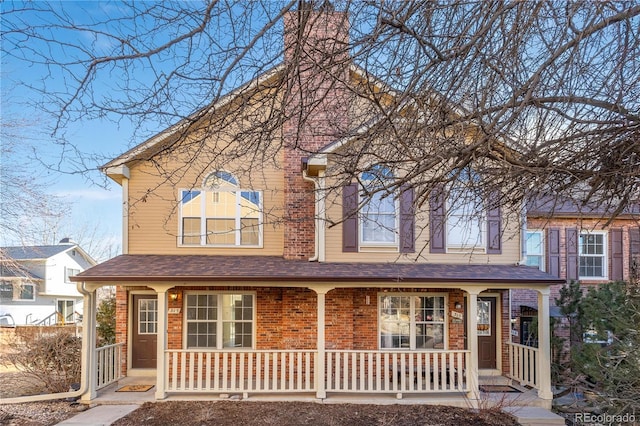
(144, 333)
(487, 332)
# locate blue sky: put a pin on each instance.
(104, 138)
(92, 205)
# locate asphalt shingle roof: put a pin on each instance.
(34, 252)
(269, 268)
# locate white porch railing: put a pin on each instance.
(523, 364)
(234, 371)
(108, 362)
(400, 371)
(292, 371)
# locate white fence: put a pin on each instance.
(233, 371)
(523, 364)
(293, 371)
(108, 362)
(401, 371)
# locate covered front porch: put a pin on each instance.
(522, 396)
(326, 333)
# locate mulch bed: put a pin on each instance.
(248, 413)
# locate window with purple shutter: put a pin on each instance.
(553, 252)
(634, 253)
(616, 251)
(350, 218)
(407, 220)
(437, 220)
(572, 253)
(494, 224)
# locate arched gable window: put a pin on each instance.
(220, 179)
(221, 213)
(378, 213)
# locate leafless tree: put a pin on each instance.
(549, 91)
(24, 201)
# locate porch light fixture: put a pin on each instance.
(458, 305)
(174, 296)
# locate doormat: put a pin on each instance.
(498, 388)
(135, 388)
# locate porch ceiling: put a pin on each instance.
(201, 268)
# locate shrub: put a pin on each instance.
(106, 319)
(605, 342)
(51, 359)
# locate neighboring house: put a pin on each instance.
(250, 281)
(575, 242)
(35, 285)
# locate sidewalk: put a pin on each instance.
(101, 415)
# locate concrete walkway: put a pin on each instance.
(535, 416)
(101, 415)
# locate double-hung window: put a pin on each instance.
(219, 320)
(378, 214)
(412, 321)
(535, 249)
(592, 249)
(18, 291)
(221, 214)
(466, 222)
(70, 272)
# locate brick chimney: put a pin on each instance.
(316, 106)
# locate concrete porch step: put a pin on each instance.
(534, 416)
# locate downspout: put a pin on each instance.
(125, 216)
(84, 361)
(523, 235)
(316, 192)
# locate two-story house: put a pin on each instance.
(575, 242)
(35, 285)
(295, 276)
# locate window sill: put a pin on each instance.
(220, 246)
(466, 250)
(372, 248)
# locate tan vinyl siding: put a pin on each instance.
(510, 241)
(154, 208)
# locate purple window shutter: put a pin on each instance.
(634, 252)
(616, 254)
(572, 253)
(437, 220)
(634, 242)
(494, 224)
(553, 252)
(407, 220)
(350, 218)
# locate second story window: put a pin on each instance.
(592, 250)
(535, 249)
(17, 292)
(221, 214)
(70, 272)
(378, 214)
(466, 223)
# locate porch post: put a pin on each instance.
(472, 342)
(88, 372)
(544, 346)
(161, 291)
(321, 392)
(320, 382)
